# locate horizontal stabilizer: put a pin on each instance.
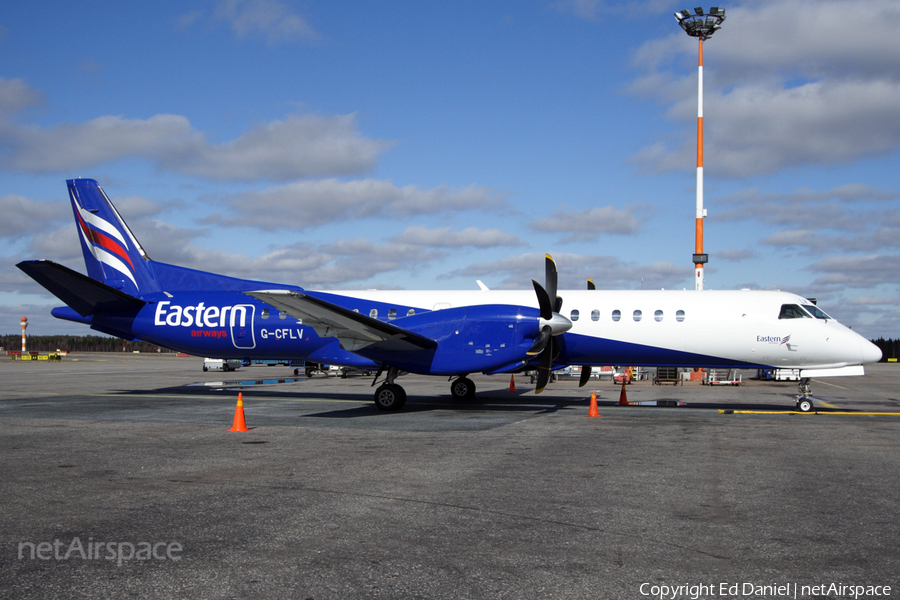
(353, 330)
(84, 295)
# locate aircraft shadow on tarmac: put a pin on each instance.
(496, 401)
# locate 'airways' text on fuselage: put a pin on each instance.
(200, 315)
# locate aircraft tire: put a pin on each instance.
(390, 397)
(462, 388)
(804, 405)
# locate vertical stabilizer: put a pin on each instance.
(111, 252)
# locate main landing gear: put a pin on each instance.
(462, 388)
(389, 395)
(804, 402)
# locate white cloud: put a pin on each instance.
(735, 255)
(23, 217)
(608, 272)
(858, 271)
(781, 91)
(16, 95)
(270, 19)
(873, 301)
(445, 237)
(310, 203)
(587, 225)
(298, 146)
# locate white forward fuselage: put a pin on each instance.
(672, 327)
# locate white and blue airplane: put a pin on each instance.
(448, 333)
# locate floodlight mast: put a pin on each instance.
(700, 26)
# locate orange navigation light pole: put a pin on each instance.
(700, 26)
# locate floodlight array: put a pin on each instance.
(699, 24)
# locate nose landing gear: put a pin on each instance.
(804, 402)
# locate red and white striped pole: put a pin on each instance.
(24, 325)
(701, 26)
(701, 212)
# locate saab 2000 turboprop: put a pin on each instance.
(449, 333)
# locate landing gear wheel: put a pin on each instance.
(804, 405)
(390, 396)
(462, 388)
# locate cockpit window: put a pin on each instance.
(793, 311)
(817, 312)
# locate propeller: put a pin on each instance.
(551, 278)
(552, 323)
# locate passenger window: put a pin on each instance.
(265, 313)
(595, 315)
(616, 315)
(658, 315)
(410, 312)
(392, 314)
(637, 315)
(574, 315)
(679, 316)
(282, 315)
(792, 311)
(373, 313)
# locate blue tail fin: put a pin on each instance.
(112, 254)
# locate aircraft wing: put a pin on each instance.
(354, 330)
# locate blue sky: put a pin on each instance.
(348, 145)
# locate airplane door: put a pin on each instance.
(242, 335)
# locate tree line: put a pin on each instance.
(889, 348)
(73, 343)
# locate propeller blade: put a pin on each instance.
(585, 373)
(543, 301)
(540, 342)
(544, 371)
(550, 275)
(551, 280)
(554, 349)
(591, 285)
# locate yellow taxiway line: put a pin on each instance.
(814, 412)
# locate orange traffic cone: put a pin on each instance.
(592, 411)
(239, 424)
(512, 383)
(623, 399)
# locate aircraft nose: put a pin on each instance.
(870, 352)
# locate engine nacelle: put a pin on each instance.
(469, 339)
